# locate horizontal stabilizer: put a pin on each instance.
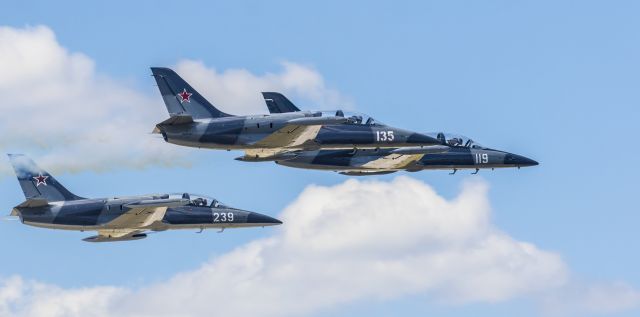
(177, 120)
(34, 202)
(181, 119)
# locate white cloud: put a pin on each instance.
(356, 241)
(33, 299)
(580, 298)
(57, 108)
(55, 104)
(238, 91)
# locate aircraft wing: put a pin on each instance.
(128, 225)
(140, 217)
(298, 133)
(393, 161)
(404, 157)
(136, 218)
(141, 214)
(291, 135)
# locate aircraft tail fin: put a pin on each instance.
(180, 98)
(38, 185)
(278, 103)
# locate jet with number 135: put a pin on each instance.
(195, 122)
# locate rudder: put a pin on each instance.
(278, 103)
(36, 183)
(180, 98)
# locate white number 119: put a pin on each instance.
(482, 158)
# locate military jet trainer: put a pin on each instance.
(195, 122)
(453, 152)
(50, 205)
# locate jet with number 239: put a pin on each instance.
(195, 122)
(50, 205)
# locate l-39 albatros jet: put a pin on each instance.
(453, 152)
(456, 152)
(195, 122)
(50, 205)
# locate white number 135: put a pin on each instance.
(384, 136)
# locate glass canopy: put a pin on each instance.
(197, 200)
(354, 117)
(455, 140)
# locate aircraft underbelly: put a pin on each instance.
(62, 226)
(214, 225)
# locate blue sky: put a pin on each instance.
(555, 81)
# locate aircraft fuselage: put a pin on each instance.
(104, 214)
(245, 132)
(383, 160)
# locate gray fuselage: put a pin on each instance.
(383, 160)
(104, 214)
(246, 132)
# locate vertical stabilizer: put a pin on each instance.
(36, 183)
(278, 103)
(180, 98)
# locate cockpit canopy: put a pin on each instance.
(354, 117)
(196, 200)
(455, 140)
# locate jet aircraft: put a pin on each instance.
(453, 152)
(456, 152)
(50, 205)
(195, 122)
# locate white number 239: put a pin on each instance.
(223, 217)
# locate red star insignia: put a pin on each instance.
(41, 180)
(185, 95)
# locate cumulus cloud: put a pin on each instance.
(356, 241)
(238, 91)
(57, 107)
(55, 104)
(33, 299)
(580, 298)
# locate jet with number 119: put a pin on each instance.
(454, 152)
(195, 122)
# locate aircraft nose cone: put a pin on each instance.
(421, 139)
(519, 160)
(255, 217)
